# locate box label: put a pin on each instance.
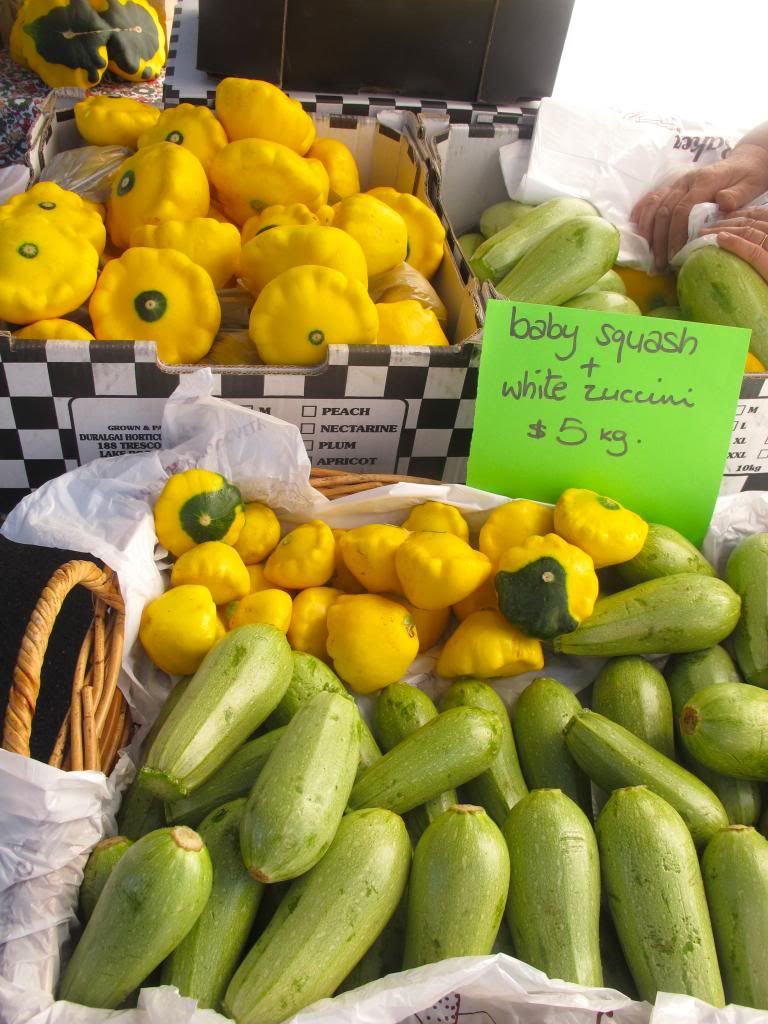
(640, 409)
(351, 434)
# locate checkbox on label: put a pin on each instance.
(763, 453)
(309, 410)
(740, 410)
(307, 428)
(309, 445)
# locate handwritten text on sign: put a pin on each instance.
(638, 408)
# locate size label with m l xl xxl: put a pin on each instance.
(639, 408)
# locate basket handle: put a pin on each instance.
(25, 688)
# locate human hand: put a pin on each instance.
(662, 215)
(745, 235)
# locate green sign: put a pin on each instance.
(637, 408)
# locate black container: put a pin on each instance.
(483, 51)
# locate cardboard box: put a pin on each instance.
(465, 178)
(367, 409)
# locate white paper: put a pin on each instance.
(612, 159)
(52, 819)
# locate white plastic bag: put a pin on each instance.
(52, 819)
(611, 158)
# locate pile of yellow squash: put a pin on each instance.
(368, 600)
(246, 194)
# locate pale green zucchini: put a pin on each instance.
(735, 870)
(326, 921)
(725, 727)
(499, 253)
(104, 856)
(669, 615)
(400, 709)
(499, 216)
(450, 750)
(603, 301)
(234, 779)
(384, 957)
(687, 674)
(203, 963)
(615, 758)
(310, 676)
(553, 909)
(502, 784)
(664, 553)
(297, 801)
(747, 573)
(615, 971)
(564, 263)
(633, 693)
(239, 683)
(453, 911)
(656, 897)
(152, 899)
(543, 710)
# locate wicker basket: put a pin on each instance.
(98, 722)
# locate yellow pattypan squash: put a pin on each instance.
(379, 229)
(260, 582)
(191, 126)
(45, 271)
(273, 607)
(303, 558)
(607, 531)
(252, 109)
(426, 235)
(546, 586)
(304, 310)
(408, 323)
(486, 645)
(216, 213)
(308, 631)
(260, 534)
(195, 506)
(438, 569)
(437, 517)
(215, 565)
(277, 217)
(157, 295)
(511, 524)
(233, 348)
(342, 170)
(252, 174)
(114, 120)
(482, 599)
(342, 577)
(369, 554)
(178, 629)
(207, 242)
(65, 209)
(160, 182)
(274, 251)
(371, 640)
(324, 214)
(59, 330)
(430, 623)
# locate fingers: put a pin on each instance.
(751, 249)
(658, 225)
(702, 191)
(747, 214)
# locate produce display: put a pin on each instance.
(562, 253)
(439, 827)
(246, 198)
